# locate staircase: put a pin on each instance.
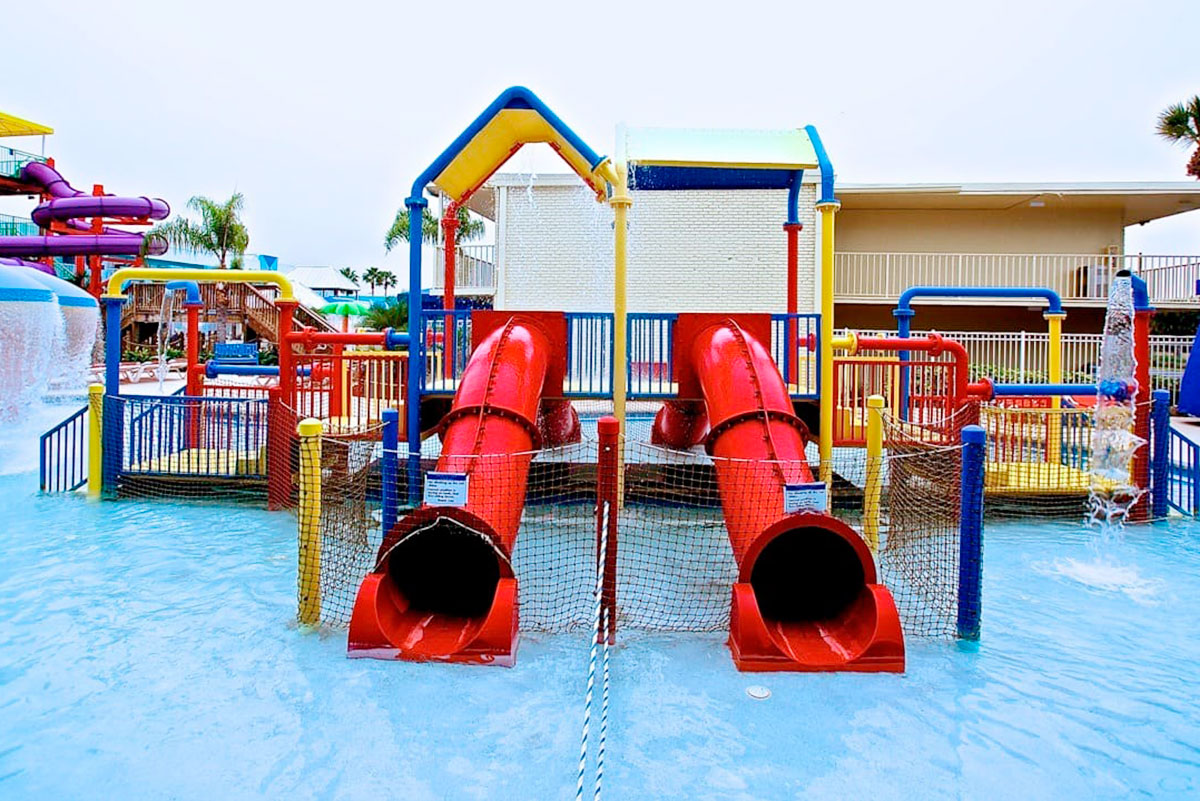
(250, 305)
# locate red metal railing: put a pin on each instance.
(937, 379)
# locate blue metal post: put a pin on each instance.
(113, 415)
(903, 330)
(416, 343)
(1160, 423)
(112, 344)
(389, 468)
(970, 533)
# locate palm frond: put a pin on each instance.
(398, 232)
(1180, 122)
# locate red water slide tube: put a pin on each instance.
(807, 597)
(443, 588)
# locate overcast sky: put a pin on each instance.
(310, 110)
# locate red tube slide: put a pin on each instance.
(807, 596)
(443, 588)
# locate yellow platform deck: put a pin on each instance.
(1039, 478)
(206, 462)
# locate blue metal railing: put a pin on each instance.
(17, 226)
(62, 456)
(193, 436)
(794, 348)
(650, 360)
(447, 339)
(1183, 463)
(589, 355)
(12, 161)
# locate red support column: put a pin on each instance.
(1141, 420)
(281, 427)
(793, 299)
(287, 368)
(450, 238)
(94, 284)
(193, 346)
(607, 484)
(335, 381)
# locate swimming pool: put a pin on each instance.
(148, 650)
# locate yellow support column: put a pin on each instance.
(620, 201)
(825, 443)
(95, 483)
(309, 518)
(1054, 369)
(873, 493)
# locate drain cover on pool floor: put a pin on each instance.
(758, 692)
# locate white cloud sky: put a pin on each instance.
(310, 110)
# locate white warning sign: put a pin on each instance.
(804, 497)
(446, 489)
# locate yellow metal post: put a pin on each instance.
(620, 201)
(1054, 367)
(95, 482)
(825, 443)
(309, 518)
(873, 494)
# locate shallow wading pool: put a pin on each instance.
(149, 650)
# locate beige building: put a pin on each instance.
(721, 250)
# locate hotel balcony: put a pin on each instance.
(1081, 279)
(474, 270)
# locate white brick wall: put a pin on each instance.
(699, 250)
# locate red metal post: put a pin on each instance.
(450, 238)
(793, 298)
(94, 283)
(608, 458)
(1141, 420)
(287, 367)
(335, 381)
(280, 429)
(193, 346)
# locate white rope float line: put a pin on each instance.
(603, 710)
(597, 633)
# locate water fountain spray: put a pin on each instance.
(1113, 489)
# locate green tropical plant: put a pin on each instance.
(431, 230)
(1179, 123)
(219, 232)
(349, 274)
(393, 313)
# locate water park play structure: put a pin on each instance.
(76, 224)
(419, 450)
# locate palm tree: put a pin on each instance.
(371, 276)
(220, 230)
(349, 274)
(387, 279)
(431, 231)
(1180, 123)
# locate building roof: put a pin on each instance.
(322, 278)
(681, 158)
(1138, 201)
(15, 126)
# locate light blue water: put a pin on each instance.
(148, 651)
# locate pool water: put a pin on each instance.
(148, 650)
